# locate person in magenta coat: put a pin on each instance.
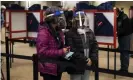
(50, 44)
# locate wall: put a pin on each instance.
(29, 3)
(56, 3)
(96, 3)
(7, 3)
(125, 4)
(43, 3)
(69, 4)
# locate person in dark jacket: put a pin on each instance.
(131, 47)
(124, 36)
(82, 41)
(50, 44)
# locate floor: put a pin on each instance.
(23, 69)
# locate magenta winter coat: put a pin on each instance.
(47, 46)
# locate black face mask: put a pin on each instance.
(61, 23)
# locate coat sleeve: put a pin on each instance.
(43, 44)
(94, 50)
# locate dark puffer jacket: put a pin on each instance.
(123, 25)
(73, 39)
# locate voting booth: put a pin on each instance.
(33, 20)
(22, 24)
(16, 24)
(103, 23)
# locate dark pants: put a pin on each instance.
(51, 77)
(124, 46)
(124, 57)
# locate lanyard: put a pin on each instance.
(84, 41)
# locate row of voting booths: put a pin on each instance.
(23, 24)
